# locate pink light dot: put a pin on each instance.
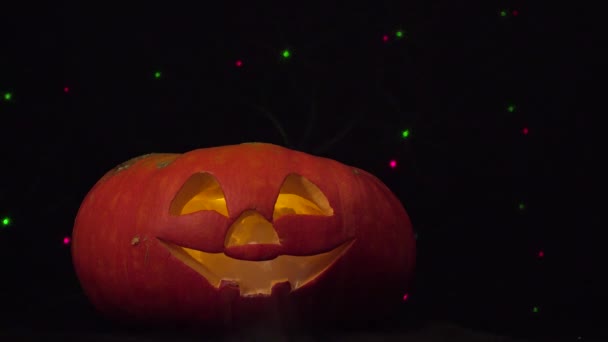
(393, 164)
(66, 240)
(405, 297)
(541, 254)
(66, 90)
(525, 131)
(385, 38)
(515, 13)
(239, 63)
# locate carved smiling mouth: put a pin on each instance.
(256, 277)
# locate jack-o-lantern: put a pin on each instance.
(242, 233)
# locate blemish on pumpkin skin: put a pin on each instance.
(162, 164)
(147, 250)
(135, 241)
(122, 167)
(355, 171)
(128, 163)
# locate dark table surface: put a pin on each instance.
(76, 320)
(433, 331)
(429, 331)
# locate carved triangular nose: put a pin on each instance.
(251, 228)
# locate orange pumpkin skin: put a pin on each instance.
(125, 227)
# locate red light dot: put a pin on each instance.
(525, 131)
(66, 240)
(515, 13)
(541, 254)
(385, 38)
(239, 63)
(405, 297)
(393, 164)
(66, 90)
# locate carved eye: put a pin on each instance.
(200, 192)
(299, 196)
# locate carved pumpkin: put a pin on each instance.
(242, 233)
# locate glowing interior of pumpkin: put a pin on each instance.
(200, 192)
(257, 277)
(297, 196)
(251, 228)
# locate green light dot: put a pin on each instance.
(503, 13)
(535, 309)
(286, 54)
(522, 206)
(157, 74)
(511, 108)
(405, 133)
(399, 34)
(8, 96)
(6, 221)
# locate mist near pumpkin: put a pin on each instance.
(297, 196)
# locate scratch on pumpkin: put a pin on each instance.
(147, 250)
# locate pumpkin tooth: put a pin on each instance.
(281, 288)
(229, 283)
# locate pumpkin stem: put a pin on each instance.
(323, 148)
(275, 122)
(391, 99)
(312, 115)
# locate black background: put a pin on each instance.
(461, 174)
